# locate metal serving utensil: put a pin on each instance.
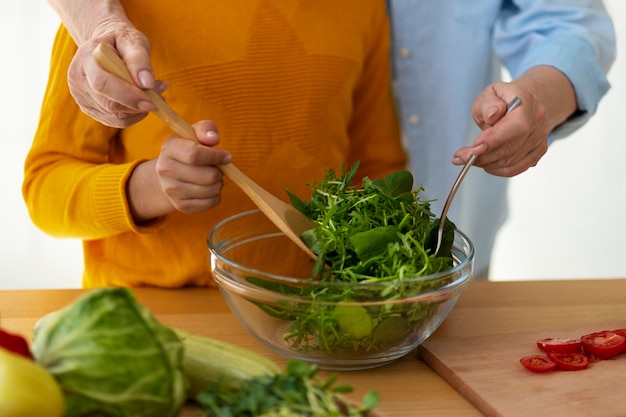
(513, 104)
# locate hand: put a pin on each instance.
(510, 144)
(104, 96)
(184, 177)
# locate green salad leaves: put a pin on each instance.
(373, 233)
(370, 242)
(298, 392)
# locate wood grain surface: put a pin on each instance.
(478, 348)
(471, 363)
(486, 370)
(407, 387)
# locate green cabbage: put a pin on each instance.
(111, 357)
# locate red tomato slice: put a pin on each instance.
(559, 344)
(538, 363)
(569, 361)
(604, 344)
(621, 332)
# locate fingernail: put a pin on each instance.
(457, 161)
(211, 134)
(145, 106)
(227, 159)
(482, 148)
(491, 112)
(146, 79)
(161, 86)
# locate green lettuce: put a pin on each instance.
(111, 357)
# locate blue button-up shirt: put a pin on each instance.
(445, 52)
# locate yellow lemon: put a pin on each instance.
(27, 389)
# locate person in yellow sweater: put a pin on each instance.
(291, 89)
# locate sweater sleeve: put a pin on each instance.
(374, 127)
(71, 186)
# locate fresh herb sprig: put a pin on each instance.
(372, 233)
(298, 392)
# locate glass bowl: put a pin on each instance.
(266, 281)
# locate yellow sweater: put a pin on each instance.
(295, 88)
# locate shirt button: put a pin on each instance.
(405, 53)
(414, 119)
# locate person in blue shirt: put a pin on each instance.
(448, 58)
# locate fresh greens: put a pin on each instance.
(372, 233)
(370, 247)
(111, 357)
(298, 392)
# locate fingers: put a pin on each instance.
(488, 108)
(189, 172)
(190, 186)
(134, 49)
(206, 132)
(512, 169)
(509, 143)
(509, 148)
(104, 96)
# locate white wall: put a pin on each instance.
(558, 209)
(568, 213)
(28, 258)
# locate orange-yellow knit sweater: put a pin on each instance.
(295, 88)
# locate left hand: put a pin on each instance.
(511, 143)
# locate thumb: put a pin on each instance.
(135, 52)
(488, 111)
(211, 138)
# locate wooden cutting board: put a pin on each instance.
(486, 371)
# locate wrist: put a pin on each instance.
(89, 19)
(552, 90)
(146, 199)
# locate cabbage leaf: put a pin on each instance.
(112, 357)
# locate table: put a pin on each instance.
(408, 387)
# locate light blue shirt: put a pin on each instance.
(445, 52)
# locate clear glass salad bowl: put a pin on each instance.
(266, 281)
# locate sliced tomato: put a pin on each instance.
(559, 344)
(538, 363)
(604, 344)
(622, 332)
(569, 361)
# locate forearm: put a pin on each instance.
(71, 198)
(576, 37)
(552, 90)
(86, 19)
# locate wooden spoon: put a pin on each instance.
(289, 220)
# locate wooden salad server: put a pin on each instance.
(289, 220)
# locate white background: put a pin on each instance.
(567, 214)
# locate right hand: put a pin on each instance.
(510, 145)
(104, 96)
